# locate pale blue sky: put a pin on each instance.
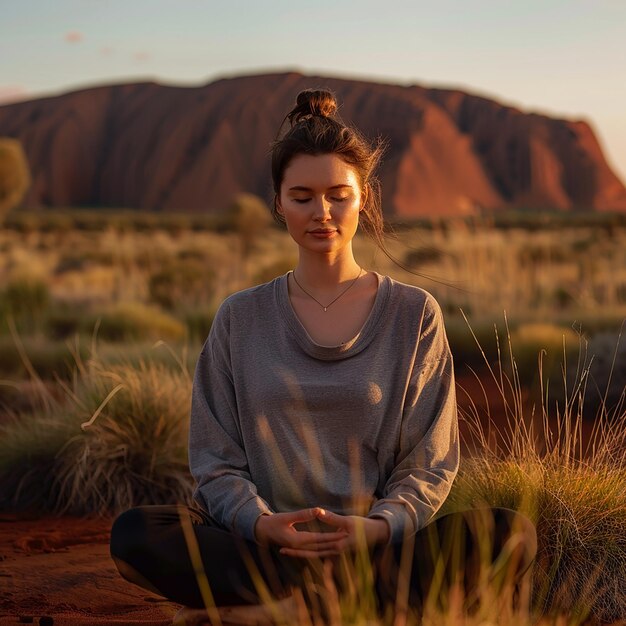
(566, 58)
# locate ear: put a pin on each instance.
(277, 205)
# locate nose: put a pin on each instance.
(321, 209)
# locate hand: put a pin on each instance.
(374, 531)
(279, 528)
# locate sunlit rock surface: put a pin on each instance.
(191, 149)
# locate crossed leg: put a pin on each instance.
(150, 548)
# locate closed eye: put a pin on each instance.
(303, 200)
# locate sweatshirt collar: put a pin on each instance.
(331, 353)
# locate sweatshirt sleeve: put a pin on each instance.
(217, 458)
(428, 457)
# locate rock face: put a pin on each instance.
(165, 148)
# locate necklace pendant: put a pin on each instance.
(335, 300)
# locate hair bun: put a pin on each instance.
(311, 102)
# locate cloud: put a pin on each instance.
(73, 36)
(12, 93)
(106, 51)
(141, 56)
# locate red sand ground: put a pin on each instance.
(61, 567)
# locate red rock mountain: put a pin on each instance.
(158, 147)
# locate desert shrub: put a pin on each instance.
(14, 399)
(581, 520)
(93, 220)
(65, 320)
(192, 254)
(533, 254)
(118, 440)
(149, 258)
(49, 220)
(563, 298)
(70, 261)
(180, 284)
(26, 300)
(97, 219)
(249, 217)
(21, 221)
(123, 322)
(76, 259)
(606, 386)
(27, 457)
(462, 341)
(50, 359)
(453, 308)
(15, 176)
(423, 256)
(574, 492)
(528, 340)
(176, 356)
(278, 268)
(198, 322)
(590, 323)
(142, 221)
(135, 450)
(55, 222)
(131, 321)
(583, 244)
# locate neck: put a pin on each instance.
(326, 271)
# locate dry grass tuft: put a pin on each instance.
(574, 491)
(133, 320)
(118, 438)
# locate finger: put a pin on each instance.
(304, 537)
(333, 519)
(329, 539)
(334, 547)
(309, 554)
(303, 515)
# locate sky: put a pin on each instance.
(563, 58)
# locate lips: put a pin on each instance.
(322, 231)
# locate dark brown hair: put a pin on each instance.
(316, 128)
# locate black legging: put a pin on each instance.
(149, 547)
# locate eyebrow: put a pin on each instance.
(300, 188)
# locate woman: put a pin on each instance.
(323, 411)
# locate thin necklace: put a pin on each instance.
(325, 307)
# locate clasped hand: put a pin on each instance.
(278, 528)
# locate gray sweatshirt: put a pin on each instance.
(280, 423)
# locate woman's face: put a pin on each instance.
(320, 198)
